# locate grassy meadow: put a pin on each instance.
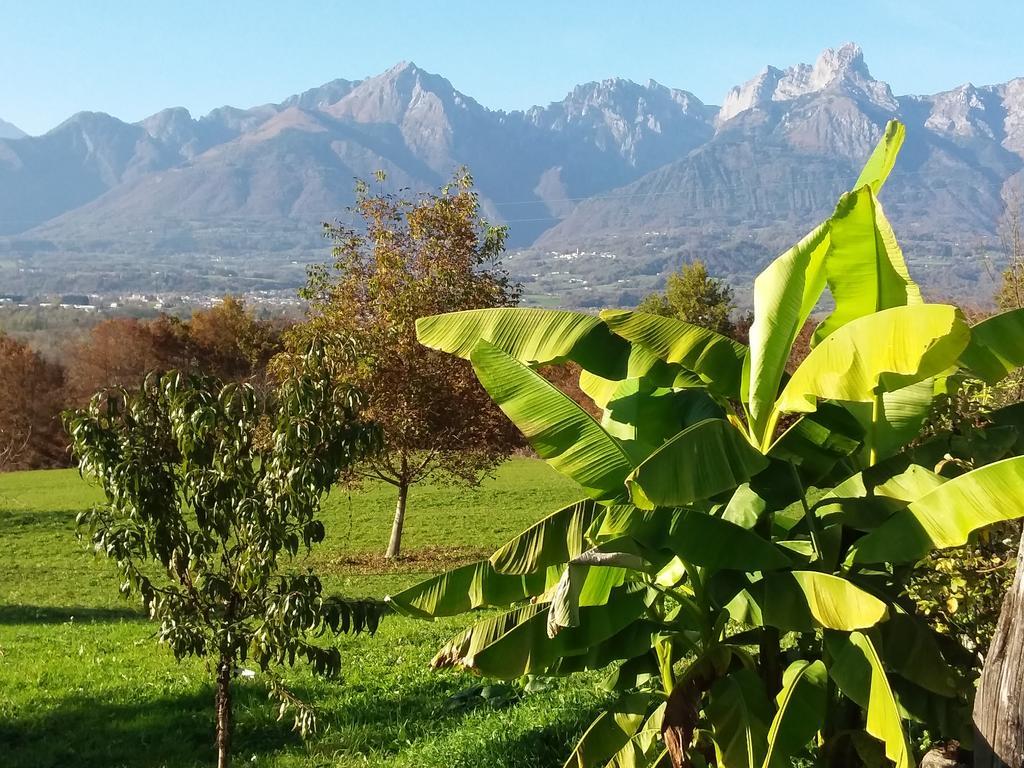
(83, 683)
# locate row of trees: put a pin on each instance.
(227, 341)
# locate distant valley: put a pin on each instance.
(603, 191)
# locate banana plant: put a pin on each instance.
(738, 560)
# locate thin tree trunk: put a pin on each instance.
(999, 703)
(224, 713)
(395, 544)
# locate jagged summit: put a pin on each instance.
(841, 69)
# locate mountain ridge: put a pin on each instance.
(601, 169)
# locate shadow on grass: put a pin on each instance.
(54, 519)
(358, 723)
(174, 731)
(438, 730)
(40, 614)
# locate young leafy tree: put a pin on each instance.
(691, 294)
(409, 258)
(209, 491)
(733, 509)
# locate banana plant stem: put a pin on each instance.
(812, 521)
(876, 415)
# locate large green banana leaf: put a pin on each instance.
(556, 539)
(700, 462)
(878, 353)
(785, 293)
(644, 749)
(714, 542)
(647, 416)
(476, 585)
(865, 508)
(739, 712)
(817, 442)
(911, 650)
(526, 648)
(865, 267)
(896, 479)
(647, 526)
(801, 601)
(631, 645)
(745, 507)
(857, 669)
(590, 578)
(717, 359)
(800, 712)
(900, 417)
(486, 631)
(531, 336)
(876, 170)
(611, 731)
(997, 346)
(561, 432)
(641, 364)
(946, 516)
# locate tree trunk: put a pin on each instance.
(224, 713)
(395, 544)
(999, 703)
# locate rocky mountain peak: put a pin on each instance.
(839, 69)
(322, 96)
(172, 124)
(389, 96)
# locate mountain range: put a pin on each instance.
(603, 191)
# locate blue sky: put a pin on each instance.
(133, 58)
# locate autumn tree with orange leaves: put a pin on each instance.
(408, 258)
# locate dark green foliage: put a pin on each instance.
(691, 294)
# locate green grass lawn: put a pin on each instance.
(83, 683)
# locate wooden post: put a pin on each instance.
(999, 704)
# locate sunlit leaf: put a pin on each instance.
(704, 460)
(717, 359)
(471, 586)
(801, 601)
(876, 170)
(800, 712)
(561, 432)
(531, 336)
(865, 269)
(946, 516)
(527, 649)
(997, 346)
(878, 353)
(785, 293)
(556, 539)
(858, 671)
